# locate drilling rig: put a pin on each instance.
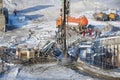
(61, 39)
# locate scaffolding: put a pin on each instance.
(109, 52)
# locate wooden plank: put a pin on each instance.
(1, 5)
(118, 55)
(2, 23)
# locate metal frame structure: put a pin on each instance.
(62, 30)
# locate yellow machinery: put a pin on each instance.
(106, 17)
(2, 18)
(113, 17)
(101, 16)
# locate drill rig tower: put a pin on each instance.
(62, 29)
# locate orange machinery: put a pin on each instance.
(81, 21)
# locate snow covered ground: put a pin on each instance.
(38, 17)
(44, 72)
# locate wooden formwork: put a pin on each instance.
(2, 22)
(2, 17)
(118, 55)
(1, 5)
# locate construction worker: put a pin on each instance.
(83, 32)
(96, 32)
(15, 12)
(99, 33)
(90, 31)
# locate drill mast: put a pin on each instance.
(62, 29)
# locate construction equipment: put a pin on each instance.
(72, 21)
(62, 29)
(48, 53)
(113, 16)
(101, 16)
(106, 17)
(65, 22)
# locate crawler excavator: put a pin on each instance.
(101, 16)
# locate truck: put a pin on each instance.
(100, 16)
(113, 17)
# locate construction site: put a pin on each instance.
(59, 40)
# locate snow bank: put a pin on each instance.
(45, 72)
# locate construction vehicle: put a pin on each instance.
(48, 53)
(72, 21)
(106, 17)
(113, 17)
(101, 16)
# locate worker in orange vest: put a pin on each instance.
(90, 31)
